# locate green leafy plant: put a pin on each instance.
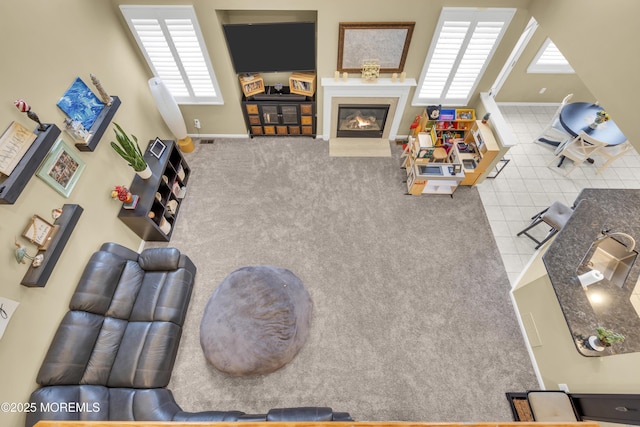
(608, 337)
(128, 149)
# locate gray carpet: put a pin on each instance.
(412, 319)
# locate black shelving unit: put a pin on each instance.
(279, 113)
(145, 220)
(37, 277)
(11, 187)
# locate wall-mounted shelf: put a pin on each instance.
(38, 276)
(12, 186)
(100, 125)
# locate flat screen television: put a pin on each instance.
(272, 47)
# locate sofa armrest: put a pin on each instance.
(120, 250)
(91, 403)
(342, 416)
(186, 263)
(300, 414)
(208, 416)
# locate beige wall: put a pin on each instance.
(596, 73)
(227, 118)
(521, 86)
(45, 46)
(599, 43)
(555, 353)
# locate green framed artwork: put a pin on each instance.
(61, 168)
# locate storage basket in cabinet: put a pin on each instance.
(251, 84)
(466, 114)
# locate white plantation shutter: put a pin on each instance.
(171, 41)
(445, 55)
(463, 44)
(549, 60)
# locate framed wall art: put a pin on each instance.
(61, 168)
(39, 231)
(81, 104)
(387, 43)
(157, 148)
(14, 143)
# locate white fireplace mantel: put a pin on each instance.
(356, 88)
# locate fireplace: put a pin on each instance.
(354, 91)
(361, 120)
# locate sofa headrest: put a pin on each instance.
(159, 259)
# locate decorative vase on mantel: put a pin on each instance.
(370, 71)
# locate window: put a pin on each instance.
(549, 60)
(171, 41)
(462, 46)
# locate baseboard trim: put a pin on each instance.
(528, 104)
(217, 135)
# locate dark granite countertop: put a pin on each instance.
(595, 210)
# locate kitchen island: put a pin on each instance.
(603, 303)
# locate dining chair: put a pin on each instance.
(612, 153)
(578, 150)
(554, 130)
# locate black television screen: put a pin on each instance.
(272, 47)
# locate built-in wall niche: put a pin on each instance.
(262, 16)
(280, 46)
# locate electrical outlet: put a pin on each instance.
(196, 123)
(564, 387)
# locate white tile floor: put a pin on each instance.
(527, 186)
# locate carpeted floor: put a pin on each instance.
(412, 318)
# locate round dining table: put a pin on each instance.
(577, 116)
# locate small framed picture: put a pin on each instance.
(39, 231)
(61, 168)
(157, 148)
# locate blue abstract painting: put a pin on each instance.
(81, 104)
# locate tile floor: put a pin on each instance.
(527, 186)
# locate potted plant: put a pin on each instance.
(604, 338)
(130, 151)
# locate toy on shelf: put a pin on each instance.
(122, 193)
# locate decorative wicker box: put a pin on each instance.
(251, 84)
(302, 83)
